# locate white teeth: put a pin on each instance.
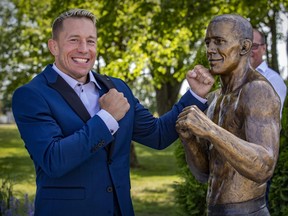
(80, 60)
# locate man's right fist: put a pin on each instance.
(114, 103)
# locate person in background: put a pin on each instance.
(78, 132)
(235, 146)
(258, 63)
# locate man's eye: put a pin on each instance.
(91, 42)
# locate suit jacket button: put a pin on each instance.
(109, 189)
(101, 143)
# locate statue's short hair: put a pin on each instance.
(80, 13)
(242, 28)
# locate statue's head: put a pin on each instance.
(228, 41)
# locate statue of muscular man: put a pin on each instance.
(235, 145)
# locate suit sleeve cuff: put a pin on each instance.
(202, 100)
(108, 119)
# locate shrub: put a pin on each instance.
(278, 196)
(190, 194)
(6, 192)
(10, 205)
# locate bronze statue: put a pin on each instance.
(235, 145)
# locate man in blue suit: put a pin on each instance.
(78, 132)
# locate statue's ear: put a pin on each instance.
(245, 46)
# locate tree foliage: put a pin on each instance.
(135, 38)
(23, 49)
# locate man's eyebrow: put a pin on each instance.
(76, 35)
(93, 37)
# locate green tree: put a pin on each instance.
(135, 37)
(266, 17)
(22, 48)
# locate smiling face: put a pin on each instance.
(74, 48)
(223, 47)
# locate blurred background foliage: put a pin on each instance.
(144, 42)
(151, 44)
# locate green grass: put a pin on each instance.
(15, 163)
(152, 191)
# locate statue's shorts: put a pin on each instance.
(255, 207)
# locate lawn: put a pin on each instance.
(152, 190)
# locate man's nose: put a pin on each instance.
(83, 46)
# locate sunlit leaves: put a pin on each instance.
(160, 37)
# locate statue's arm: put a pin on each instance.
(196, 149)
(253, 156)
(256, 154)
(196, 154)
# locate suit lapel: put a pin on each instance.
(104, 80)
(71, 98)
(60, 85)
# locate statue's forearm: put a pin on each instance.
(251, 160)
(197, 159)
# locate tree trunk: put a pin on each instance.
(273, 63)
(167, 96)
(134, 163)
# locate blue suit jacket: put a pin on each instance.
(70, 152)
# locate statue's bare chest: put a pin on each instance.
(226, 111)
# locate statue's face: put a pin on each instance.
(223, 47)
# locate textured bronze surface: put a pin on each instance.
(234, 146)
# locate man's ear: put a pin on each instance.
(245, 46)
(53, 47)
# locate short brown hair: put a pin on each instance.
(262, 35)
(80, 13)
